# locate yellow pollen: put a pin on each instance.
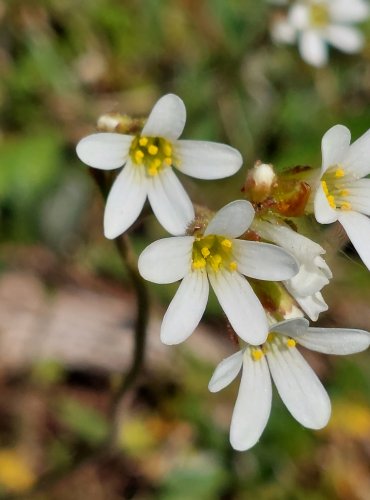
(344, 192)
(215, 261)
(233, 266)
(143, 141)
(257, 354)
(152, 171)
(152, 150)
(139, 155)
(339, 172)
(331, 201)
(199, 263)
(226, 243)
(345, 205)
(325, 187)
(167, 149)
(291, 343)
(168, 160)
(205, 251)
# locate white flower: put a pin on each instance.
(316, 23)
(222, 259)
(344, 194)
(297, 384)
(314, 273)
(148, 159)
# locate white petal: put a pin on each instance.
(357, 157)
(104, 150)
(253, 404)
(345, 38)
(167, 260)
(324, 213)
(170, 202)
(312, 305)
(309, 280)
(226, 371)
(291, 327)
(186, 308)
(299, 387)
(207, 160)
(283, 32)
(344, 11)
(334, 146)
(264, 261)
(299, 16)
(167, 118)
(241, 306)
(357, 227)
(335, 340)
(232, 220)
(359, 196)
(313, 49)
(125, 200)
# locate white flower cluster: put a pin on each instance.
(314, 24)
(222, 253)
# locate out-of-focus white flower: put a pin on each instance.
(314, 273)
(316, 23)
(218, 257)
(343, 193)
(148, 159)
(297, 384)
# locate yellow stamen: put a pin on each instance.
(291, 343)
(271, 336)
(168, 160)
(325, 187)
(143, 141)
(345, 205)
(199, 263)
(152, 171)
(226, 243)
(139, 155)
(344, 192)
(339, 172)
(257, 354)
(152, 150)
(205, 251)
(331, 201)
(167, 149)
(215, 261)
(233, 266)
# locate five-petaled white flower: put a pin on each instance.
(343, 193)
(218, 256)
(148, 159)
(316, 23)
(314, 273)
(298, 386)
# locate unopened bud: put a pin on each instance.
(260, 181)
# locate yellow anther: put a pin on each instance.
(344, 192)
(215, 261)
(346, 205)
(257, 354)
(152, 150)
(339, 172)
(205, 251)
(156, 163)
(143, 141)
(233, 266)
(152, 171)
(168, 160)
(291, 343)
(325, 187)
(199, 263)
(226, 243)
(167, 149)
(331, 201)
(139, 155)
(271, 336)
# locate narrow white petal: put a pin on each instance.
(309, 280)
(170, 202)
(264, 261)
(324, 213)
(167, 260)
(313, 49)
(357, 227)
(357, 157)
(226, 371)
(345, 38)
(207, 160)
(125, 200)
(359, 196)
(298, 386)
(253, 404)
(334, 146)
(313, 305)
(335, 340)
(283, 32)
(167, 118)
(291, 327)
(232, 220)
(106, 151)
(299, 16)
(241, 306)
(344, 11)
(186, 308)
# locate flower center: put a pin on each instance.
(319, 15)
(274, 341)
(155, 153)
(335, 188)
(213, 252)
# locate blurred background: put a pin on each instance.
(66, 305)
